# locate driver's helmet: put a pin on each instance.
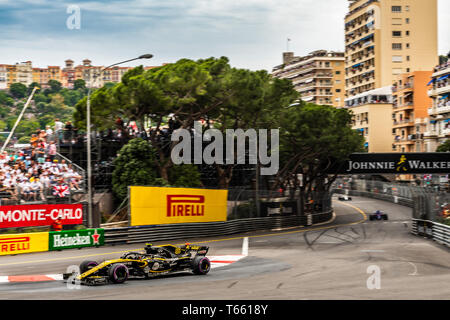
(378, 212)
(148, 247)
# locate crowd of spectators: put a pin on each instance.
(34, 172)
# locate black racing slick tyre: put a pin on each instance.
(87, 265)
(201, 265)
(118, 273)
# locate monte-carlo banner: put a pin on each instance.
(395, 163)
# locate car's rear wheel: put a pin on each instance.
(201, 265)
(87, 265)
(118, 273)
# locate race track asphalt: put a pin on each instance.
(330, 261)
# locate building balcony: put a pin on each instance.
(403, 107)
(403, 123)
(430, 134)
(431, 93)
(324, 94)
(445, 133)
(324, 85)
(441, 110)
(444, 89)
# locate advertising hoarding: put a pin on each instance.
(34, 215)
(161, 205)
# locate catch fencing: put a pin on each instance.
(140, 234)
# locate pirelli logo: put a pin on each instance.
(13, 245)
(185, 205)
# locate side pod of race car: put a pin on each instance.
(378, 215)
(154, 261)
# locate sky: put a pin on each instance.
(251, 33)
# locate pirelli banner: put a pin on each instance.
(23, 243)
(160, 205)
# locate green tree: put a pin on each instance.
(18, 90)
(312, 139)
(79, 84)
(185, 175)
(134, 166)
(32, 86)
(6, 99)
(55, 86)
(444, 147)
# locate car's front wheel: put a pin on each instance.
(118, 273)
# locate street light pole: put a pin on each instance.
(88, 132)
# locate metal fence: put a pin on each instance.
(244, 203)
(432, 230)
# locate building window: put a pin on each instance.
(407, 46)
(338, 90)
(407, 20)
(397, 59)
(396, 46)
(396, 8)
(407, 33)
(408, 58)
(396, 33)
(338, 72)
(396, 21)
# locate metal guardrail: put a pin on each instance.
(380, 196)
(432, 230)
(141, 234)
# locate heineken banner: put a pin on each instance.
(69, 239)
(394, 163)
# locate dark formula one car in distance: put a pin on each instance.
(344, 198)
(378, 215)
(154, 261)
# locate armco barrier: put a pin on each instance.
(379, 196)
(140, 234)
(433, 230)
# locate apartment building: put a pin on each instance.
(369, 118)
(12, 74)
(385, 38)
(3, 76)
(410, 111)
(319, 76)
(438, 130)
(24, 73)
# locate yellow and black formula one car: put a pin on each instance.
(153, 261)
